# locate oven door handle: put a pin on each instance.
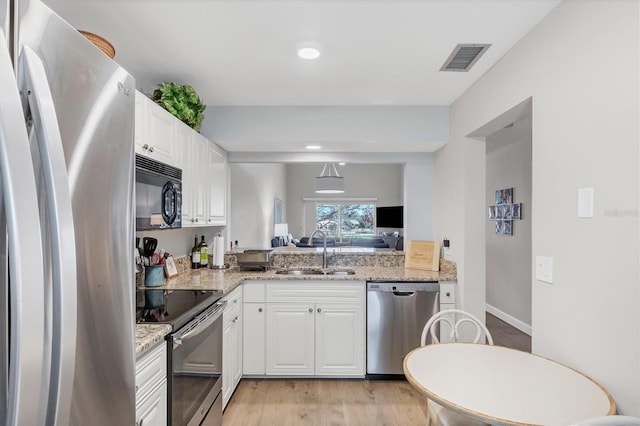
(199, 323)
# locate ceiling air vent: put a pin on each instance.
(464, 56)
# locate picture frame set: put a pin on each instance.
(505, 211)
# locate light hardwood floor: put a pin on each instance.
(285, 402)
(325, 402)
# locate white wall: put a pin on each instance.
(419, 128)
(179, 241)
(381, 181)
(580, 67)
(254, 188)
(419, 199)
(509, 257)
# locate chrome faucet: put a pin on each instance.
(324, 244)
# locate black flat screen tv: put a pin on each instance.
(389, 217)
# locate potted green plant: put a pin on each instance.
(181, 101)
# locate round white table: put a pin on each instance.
(499, 385)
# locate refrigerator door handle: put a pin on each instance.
(23, 380)
(63, 249)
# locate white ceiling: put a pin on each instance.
(243, 53)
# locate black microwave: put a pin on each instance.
(158, 195)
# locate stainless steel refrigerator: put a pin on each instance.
(66, 208)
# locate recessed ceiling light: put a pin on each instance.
(309, 50)
(313, 147)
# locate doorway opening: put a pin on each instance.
(508, 282)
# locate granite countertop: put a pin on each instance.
(227, 280)
(148, 335)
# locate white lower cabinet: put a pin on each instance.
(153, 409)
(290, 339)
(231, 344)
(253, 328)
(305, 328)
(339, 339)
(447, 301)
(151, 387)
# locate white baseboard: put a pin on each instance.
(515, 322)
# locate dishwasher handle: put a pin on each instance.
(404, 293)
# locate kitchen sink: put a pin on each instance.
(315, 272)
(340, 272)
(299, 272)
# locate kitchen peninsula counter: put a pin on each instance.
(228, 279)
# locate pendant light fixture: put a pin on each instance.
(328, 183)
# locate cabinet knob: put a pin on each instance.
(259, 309)
(319, 310)
(196, 220)
(448, 294)
(235, 319)
(150, 149)
(192, 220)
(310, 310)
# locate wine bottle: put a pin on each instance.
(204, 253)
(195, 254)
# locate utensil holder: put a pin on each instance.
(153, 275)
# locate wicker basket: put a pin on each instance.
(100, 42)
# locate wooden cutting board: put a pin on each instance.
(423, 255)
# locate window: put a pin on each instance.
(346, 220)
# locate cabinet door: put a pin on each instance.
(231, 353)
(159, 133)
(339, 339)
(199, 179)
(253, 338)
(236, 370)
(216, 185)
(290, 339)
(445, 328)
(188, 189)
(153, 409)
(227, 355)
(183, 134)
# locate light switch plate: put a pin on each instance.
(585, 202)
(544, 269)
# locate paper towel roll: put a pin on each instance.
(218, 251)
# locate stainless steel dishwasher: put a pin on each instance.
(396, 314)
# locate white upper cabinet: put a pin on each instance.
(204, 188)
(161, 136)
(216, 186)
(155, 135)
(196, 193)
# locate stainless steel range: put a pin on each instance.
(194, 370)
